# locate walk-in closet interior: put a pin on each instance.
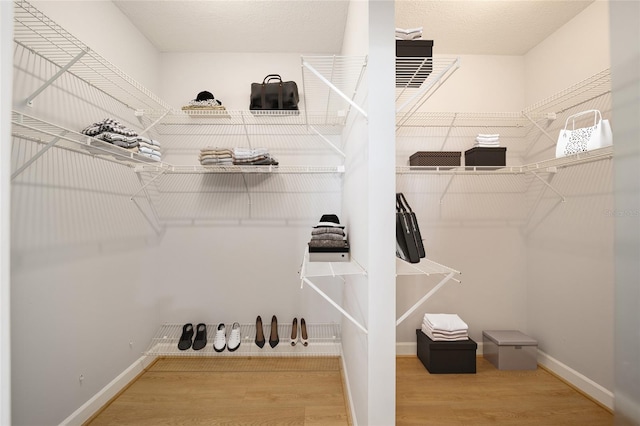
(113, 250)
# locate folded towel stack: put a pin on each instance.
(149, 148)
(204, 101)
(445, 327)
(253, 157)
(214, 156)
(408, 34)
(113, 132)
(328, 233)
(487, 141)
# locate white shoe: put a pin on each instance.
(234, 338)
(220, 340)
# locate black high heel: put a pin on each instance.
(304, 338)
(273, 337)
(259, 332)
(294, 332)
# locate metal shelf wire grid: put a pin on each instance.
(324, 340)
(38, 33)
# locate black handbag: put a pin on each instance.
(274, 94)
(414, 223)
(406, 248)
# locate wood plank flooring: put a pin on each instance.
(232, 391)
(309, 391)
(491, 396)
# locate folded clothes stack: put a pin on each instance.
(487, 141)
(214, 156)
(113, 132)
(253, 157)
(149, 148)
(328, 241)
(408, 34)
(445, 327)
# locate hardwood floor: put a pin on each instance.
(309, 391)
(490, 396)
(232, 391)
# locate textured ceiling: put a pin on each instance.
(484, 27)
(299, 26)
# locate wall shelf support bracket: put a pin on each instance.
(446, 189)
(152, 125)
(551, 138)
(37, 155)
(339, 92)
(328, 142)
(425, 298)
(55, 77)
(548, 185)
(335, 305)
(162, 172)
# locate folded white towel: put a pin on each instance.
(486, 135)
(146, 150)
(484, 139)
(409, 30)
(439, 338)
(445, 322)
(485, 145)
(414, 36)
(149, 141)
(152, 156)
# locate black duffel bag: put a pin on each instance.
(273, 93)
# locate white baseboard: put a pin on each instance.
(581, 382)
(96, 402)
(354, 419)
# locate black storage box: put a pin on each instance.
(414, 48)
(456, 357)
(487, 158)
(413, 62)
(441, 159)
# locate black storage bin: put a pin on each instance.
(441, 159)
(413, 62)
(457, 357)
(414, 48)
(487, 158)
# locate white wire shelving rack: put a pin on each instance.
(413, 90)
(50, 135)
(310, 270)
(424, 267)
(39, 34)
(324, 340)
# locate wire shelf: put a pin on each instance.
(324, 340)
(235, 169)
(45, 133)
(39, 34)
(424, 267)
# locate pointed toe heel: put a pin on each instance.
(273, 336)
(259, 333)
(294, 332)
(304, 337)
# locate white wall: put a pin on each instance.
(570, 245)
(6, 48)
(106, 30)
(579, 49)
(355, 201)
(80, 259)
(625, 58)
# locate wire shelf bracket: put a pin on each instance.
(56, 76)
(335, 89)
(331, 269)
(37, 155)
(426, 267)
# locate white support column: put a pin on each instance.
(6, 84)
(381, 189)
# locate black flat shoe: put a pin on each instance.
(259, 332)
(273, 337)
(201, 337)
(185, 338)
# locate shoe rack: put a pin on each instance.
(324, 340)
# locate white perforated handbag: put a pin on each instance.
(573, 141)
